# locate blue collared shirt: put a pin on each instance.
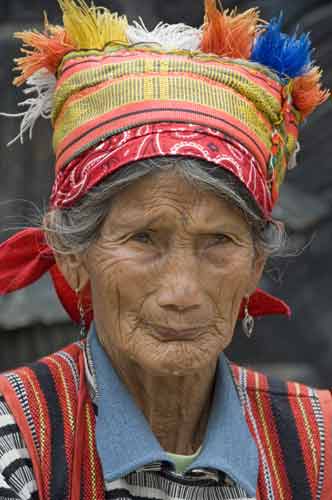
(126, 443)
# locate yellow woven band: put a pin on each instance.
(100, 87)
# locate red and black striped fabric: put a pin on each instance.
(51, 405)
(290, 423)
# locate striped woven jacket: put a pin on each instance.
(50, 401)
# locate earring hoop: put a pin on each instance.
(248, 322)
(83, 328)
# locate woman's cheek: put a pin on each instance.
(229, 256)
(229, 284)
(228, 273)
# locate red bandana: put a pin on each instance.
(160, 139)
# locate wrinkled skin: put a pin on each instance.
(168, 275)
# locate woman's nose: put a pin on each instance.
(180, 286)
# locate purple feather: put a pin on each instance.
(289, 55)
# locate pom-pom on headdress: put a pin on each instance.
(307, 93)
(41, 51)
(92, 27)
(289, 56)
(228, 33)
(84, 28)
(168, 36)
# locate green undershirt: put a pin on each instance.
(182, 462)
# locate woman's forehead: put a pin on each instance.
(170, 197)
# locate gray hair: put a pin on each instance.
(75, 229)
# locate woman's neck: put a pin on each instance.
(176, 407)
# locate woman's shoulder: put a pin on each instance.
(29, 396)
(62, 364)
(254, 382)
(290, 422)
(287, 412)
(33, 391)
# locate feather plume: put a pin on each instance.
(91, 27)
(290, 56)
(167, 36)
(43, 84)
(307, 92)
(228, 33)
(42, 50)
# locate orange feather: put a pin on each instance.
(307, 92)
(42, 50)
(228, 33)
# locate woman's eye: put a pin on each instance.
(142, 237)
(218, 239)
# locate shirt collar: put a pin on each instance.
(126, 443)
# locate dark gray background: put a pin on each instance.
(32, 322)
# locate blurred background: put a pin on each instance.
(32, 322)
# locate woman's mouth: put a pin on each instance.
(166, 333)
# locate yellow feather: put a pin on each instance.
(91, 27)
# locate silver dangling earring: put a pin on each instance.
(83, 329)
(248, 322)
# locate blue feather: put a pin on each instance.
(289, 55)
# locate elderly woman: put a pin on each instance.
(171, 146)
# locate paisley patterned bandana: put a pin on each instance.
(154, 140)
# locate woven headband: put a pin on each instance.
(232, 92)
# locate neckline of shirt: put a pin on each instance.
(126, 443)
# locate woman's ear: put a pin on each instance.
(73, 269)
(257, 271)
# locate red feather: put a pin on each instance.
(308, 93)
(42, 50)
(227, 33)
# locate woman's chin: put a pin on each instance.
(177, 358)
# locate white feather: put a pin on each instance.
(292, 162)
(42, 83)
(167, 36)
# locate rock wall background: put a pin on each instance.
(32, 322)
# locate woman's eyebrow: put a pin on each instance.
(219, 226)
(138, 221)
(155, 223)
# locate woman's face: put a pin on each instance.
(168, 275)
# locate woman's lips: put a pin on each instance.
(178, 334)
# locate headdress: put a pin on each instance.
(233, 92)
